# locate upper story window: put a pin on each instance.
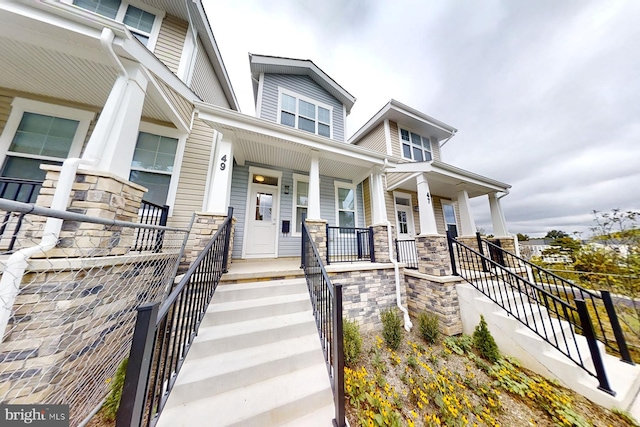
(304, 113)
(143, 21)
(415, 147)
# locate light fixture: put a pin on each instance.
(259, 178)
(286, 189)
(416, 208)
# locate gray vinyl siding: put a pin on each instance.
(288, 245)
(305, 86)
(204, 81)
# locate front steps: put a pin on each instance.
(534, 353)
(257, 361)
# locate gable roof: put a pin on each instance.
(279, 65)
(407, 116)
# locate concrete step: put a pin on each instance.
(281, 400)
(235, 336)
(253, 290)
(239, 311)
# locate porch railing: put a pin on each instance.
(17, 190)
(164, 332)
(528, 303)
(406, 253)
(349, 244)
(152, 214)
(600, 306)
(326, 300)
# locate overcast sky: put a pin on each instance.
(545, 94)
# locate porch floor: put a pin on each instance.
(243, 270)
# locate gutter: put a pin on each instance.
(407, 321)
(447, 140)
(18, 262)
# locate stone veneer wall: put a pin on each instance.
(366, 290)
(437, 295)
(433, 255)
(318, 232)
(94, 194)
(381, 243)
(203, 229)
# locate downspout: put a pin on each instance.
(18, 262)
(396, 268)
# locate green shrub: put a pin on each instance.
(428, 324)
(112, 403)
(391, 327)
(352, 341)
(461, 344)
(485, 344)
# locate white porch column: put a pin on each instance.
(378, 206)
(425, 206)
(314, 187)
(114, 137)
(221, 169)
(468, 225)
(497, 217)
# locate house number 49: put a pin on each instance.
(223, 162)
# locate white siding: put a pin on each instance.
(305, 86)
(204, 82)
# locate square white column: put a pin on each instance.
(221, 169)
(313, 208)
(468, 225)
(425, 206)
(497, 217)
(378, 205)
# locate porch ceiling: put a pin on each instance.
(254, 147)
(45, 60)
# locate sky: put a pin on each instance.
(545, 95)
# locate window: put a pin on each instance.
(415, 147)
(300, 201)
(305, 114)
(450, 218)
(152, 165)
(38, 133)
(141, 22)
(346, 203)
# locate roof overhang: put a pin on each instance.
(444, 180)
(409, 117)
(276, 65)
(53, 50)
(268, 143)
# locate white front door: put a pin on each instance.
(262, 225)
(404, 217)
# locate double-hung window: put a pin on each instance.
(153, 165)
(449, 213)
(346, 205)
(40, 133)
(305, 114)
(415, 147)
(300, 201)
(142, 20)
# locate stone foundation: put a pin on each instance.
(204, 228)
(366, 290)
(435, 294)
(433, 255)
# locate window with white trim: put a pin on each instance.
(306, 114)
(153, 165)
(142, 20)
(300, 201)
(415, 147)
(39, 133)
(346, 205)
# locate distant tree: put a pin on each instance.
(555, 234)
(564, 246)
(522, 237)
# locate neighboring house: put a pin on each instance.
(537, 247)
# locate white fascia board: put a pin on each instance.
(405, 109)
(401, 182)
(449, 170)
(167, 106)
(232, 118)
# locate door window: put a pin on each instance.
(264, 203)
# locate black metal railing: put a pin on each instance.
(17, 190)
(326, 300)
(406, 253)
(348, 244)
(532, 305)
(151, 214)
(164, 332)
(601, 309)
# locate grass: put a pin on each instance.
(450, 385)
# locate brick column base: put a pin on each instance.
(433, 255)
(381, 243)
(318, 232)
(204, 227)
